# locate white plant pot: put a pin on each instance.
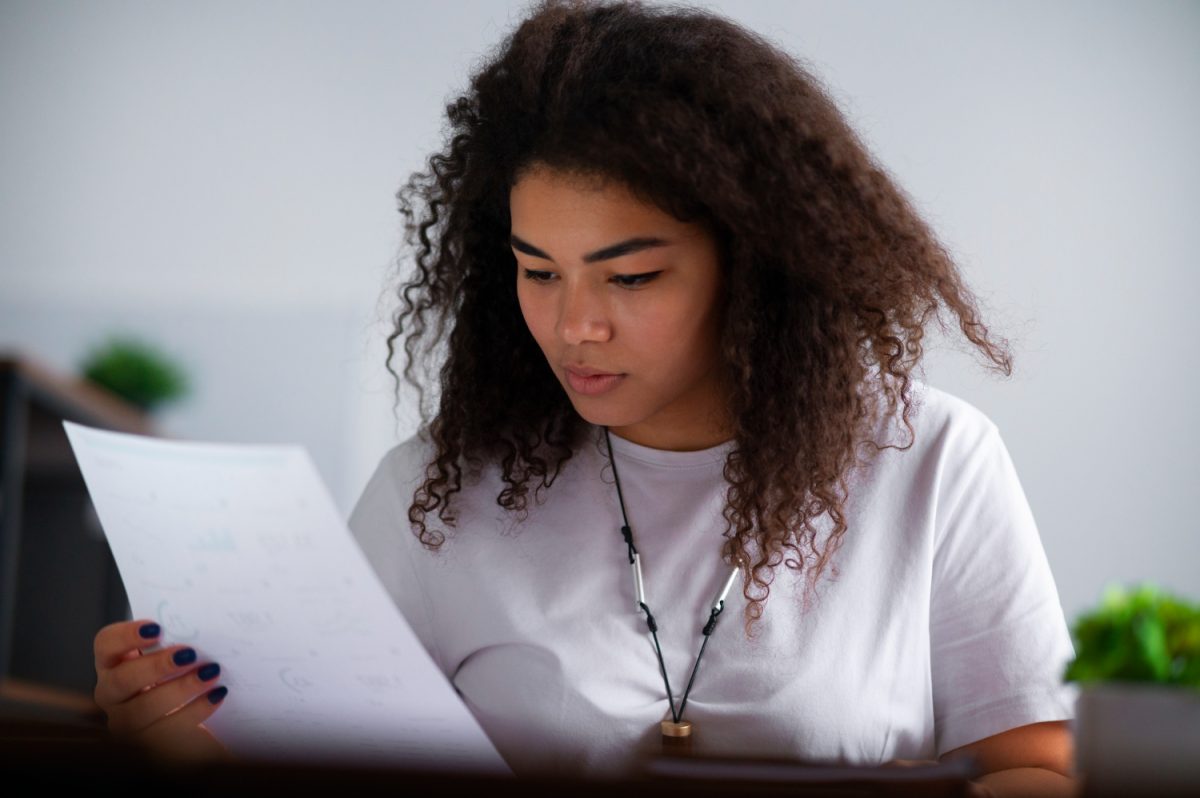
(1138, 739)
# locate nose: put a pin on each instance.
(583, 315)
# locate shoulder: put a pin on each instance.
(943, 425)
(942, 414)
(390, 487)
(950, 439)
(408, 461)
(396, 485)
(966, 466)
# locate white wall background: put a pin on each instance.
(219, 177)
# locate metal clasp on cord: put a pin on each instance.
(719, 603)
(638, 586)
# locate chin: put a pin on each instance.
(604, 416)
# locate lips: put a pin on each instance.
(592, 382)
(585, 371)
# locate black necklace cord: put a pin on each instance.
(706, 631)
(635, 561)
(626, 532)
(662, 665)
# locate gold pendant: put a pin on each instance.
(676, 738)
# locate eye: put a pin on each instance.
(634, 280)
(623, 280)
(537, 277)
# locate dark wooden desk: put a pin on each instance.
(78, 757)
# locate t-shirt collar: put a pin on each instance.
(665, 457)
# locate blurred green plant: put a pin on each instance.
(1138, 635)
(136, 372)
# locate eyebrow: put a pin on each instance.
(626, 247)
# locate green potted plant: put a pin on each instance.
(1137, 719)
(136, 372)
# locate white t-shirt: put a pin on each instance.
(942, 627)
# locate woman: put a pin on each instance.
(681, 309)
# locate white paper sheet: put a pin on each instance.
(239, 552)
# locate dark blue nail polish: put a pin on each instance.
(216, 695)
(149, 630)
(184, 656)
(208, 672)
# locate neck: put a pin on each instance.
(674, 440)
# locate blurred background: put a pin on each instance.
(217, 178)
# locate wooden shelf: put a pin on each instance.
(19, 697)
(58, 581)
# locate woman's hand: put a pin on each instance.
(161, 698)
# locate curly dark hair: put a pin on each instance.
(831, 274)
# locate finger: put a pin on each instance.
(977, 790)
(156, 703)
(182, 733)
(115, 641)
(181, 723)
(127, 679)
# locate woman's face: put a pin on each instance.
(608, 284)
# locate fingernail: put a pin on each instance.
(149, 630)
(216, 695)
(208, 672)
(184, 656)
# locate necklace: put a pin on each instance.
(677, 732)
